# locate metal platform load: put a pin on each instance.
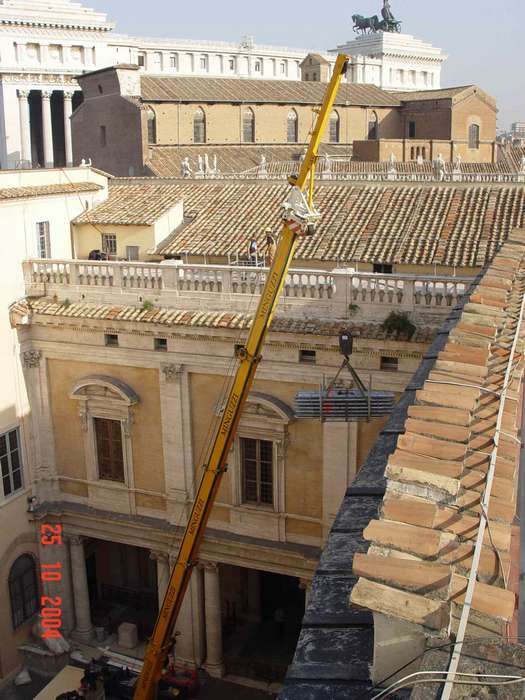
(337, 402)
(343, 404)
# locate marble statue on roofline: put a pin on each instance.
(439, 168)
(185, 168)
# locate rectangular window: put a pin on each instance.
(283, 68)
(173, 60)
(103, 137)
(43, 240)
(11, 462)
(257, 471)
(110, 459)
(132, 252)
(109, 243)
(389, 364)
(111, 340)
(257, 66)
(231, 64)
(411, 130)
(161, 344)
(204, 62)
(382, 269)
(141, 59)
(307, 356)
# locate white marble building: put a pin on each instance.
(44, 45)
(394, 61)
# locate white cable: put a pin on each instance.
(405, 681)
(485, 501)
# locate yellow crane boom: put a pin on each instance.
(298, 218)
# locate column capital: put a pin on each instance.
(172, 371)
(211, 566)
(32, 358)
(68, 94)
(23, 94)
(75, 539)
(159, 556)
(46, 94)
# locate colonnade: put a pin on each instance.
(47, 127)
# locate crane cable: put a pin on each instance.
(485, 501)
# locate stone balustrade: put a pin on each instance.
(315, 293)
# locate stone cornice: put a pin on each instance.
(39, 79)
(43, 22)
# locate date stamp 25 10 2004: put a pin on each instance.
(50, 606)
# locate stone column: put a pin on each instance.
(68, 109)
(47, 129)
(306, 586)
(163, 573)
(84, 628)
(212, 606)
(25, 128)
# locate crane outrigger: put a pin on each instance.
(299, 219)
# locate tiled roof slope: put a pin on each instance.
(416, 224)
(512, 157)
(201, 319)
(281, 161)
(456, 94)
(139, 205)
(422, 543)
(174, 89)
(165, 161)
(43, 190)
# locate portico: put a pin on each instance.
(44, 114)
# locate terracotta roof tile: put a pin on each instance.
(43, 190)
(131, 204)
(438, 472)
(204, 319)
(195, 90)
(366, 223)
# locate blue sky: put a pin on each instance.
(485, 39)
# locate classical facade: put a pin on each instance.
(36, 208)
(45, 46)
(120, 479)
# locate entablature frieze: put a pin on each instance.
(204, 338)
(30, 80)
(154, 534)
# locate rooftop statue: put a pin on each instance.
(372, 25)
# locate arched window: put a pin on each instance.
(372, 126)
(199, 126)
(292, 128)
(473, 136)
(334, 127)
(152, 125)
(248, 126)
(23, 590)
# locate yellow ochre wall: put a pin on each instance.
(148, 461)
